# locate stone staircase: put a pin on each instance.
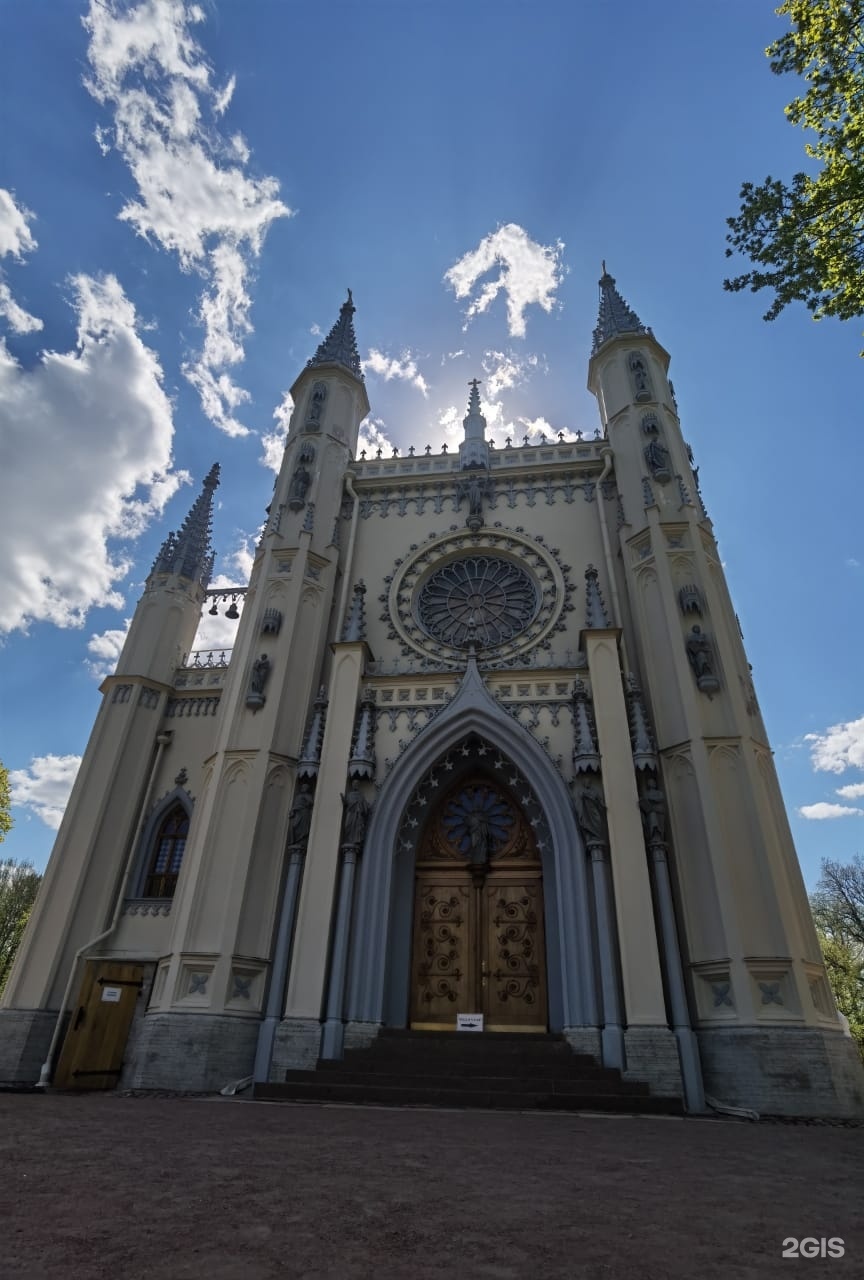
(501, 1070)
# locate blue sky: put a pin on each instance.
(185, 193)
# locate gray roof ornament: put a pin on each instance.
(474, 449)
(188, 553)
(596, 617)
(615, 316)
(340, 345)
(641, 737)
(354, 629)
(586, 758)
(362, 762)
(310, 756)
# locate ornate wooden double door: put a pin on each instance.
(478, 942)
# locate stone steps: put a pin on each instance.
(491, 1070)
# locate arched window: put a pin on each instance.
(166, 855)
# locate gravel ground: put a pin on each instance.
(98, 1187)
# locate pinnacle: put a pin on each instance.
(188, 552)
(340, 345)
(615, 317)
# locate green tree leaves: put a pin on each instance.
(19, 884)
(838, 911)
(805, 239)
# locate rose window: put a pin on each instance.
(477, 599)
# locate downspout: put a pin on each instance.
(608, 458)
(349, 554)
(162, 741)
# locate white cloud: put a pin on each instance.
(852, 563)
(194, 198)
(373, 436)
(404, 368)
(16, 239)
(838, 748)
(529, 274)
(823, 810)
(106, 647)
(854, 791)
(273, 442)
(85, 460)
(316, 331)
(44, 786)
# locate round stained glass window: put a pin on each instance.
(482, 599)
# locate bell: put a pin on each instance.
(231, 611)
(213, 611)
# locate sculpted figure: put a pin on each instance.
(316, 403)
(591, 813)
(652, 802)
(260, 672)
(657, 457)
(356, 815)
(479, 835)
(699, 653)
(300, 817)
(299, 486)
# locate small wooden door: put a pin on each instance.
(478, 916)
(92, 1054)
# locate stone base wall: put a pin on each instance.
(584, 1040)
(25, 1036)
(652, 1055)
(360, 1035)
(784, 1071)
(297, 1047)
(194, 1052)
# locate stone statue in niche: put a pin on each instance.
(474, 488)
(657, 457)
(355, 817)
(701, 657)
(257, 681)
(591, 813)
(316, 406)
(300, 817)
(299, 486)
(639, 374)
(652, 803)
(479, 835)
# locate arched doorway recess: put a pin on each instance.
(478, 937)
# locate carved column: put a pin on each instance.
(279, 970)
(612, 1036)
(334, 1027)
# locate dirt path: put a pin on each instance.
(105, 1188)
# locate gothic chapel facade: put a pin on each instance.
(487, 744)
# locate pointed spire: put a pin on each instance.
(615, 316)
(310, 756)
(641, 737)
(355, 624)
(362, 762)
(596, 617)
(340, 345)
(188, 553)
(474, 450)
(586, 758)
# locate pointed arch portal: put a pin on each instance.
(472, 743)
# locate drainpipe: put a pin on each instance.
(162, 741)
(349, 555)
(608, 458)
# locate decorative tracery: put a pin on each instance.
(482, 599)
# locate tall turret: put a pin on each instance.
(474, 449)
(753, 964)
(169, 611)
